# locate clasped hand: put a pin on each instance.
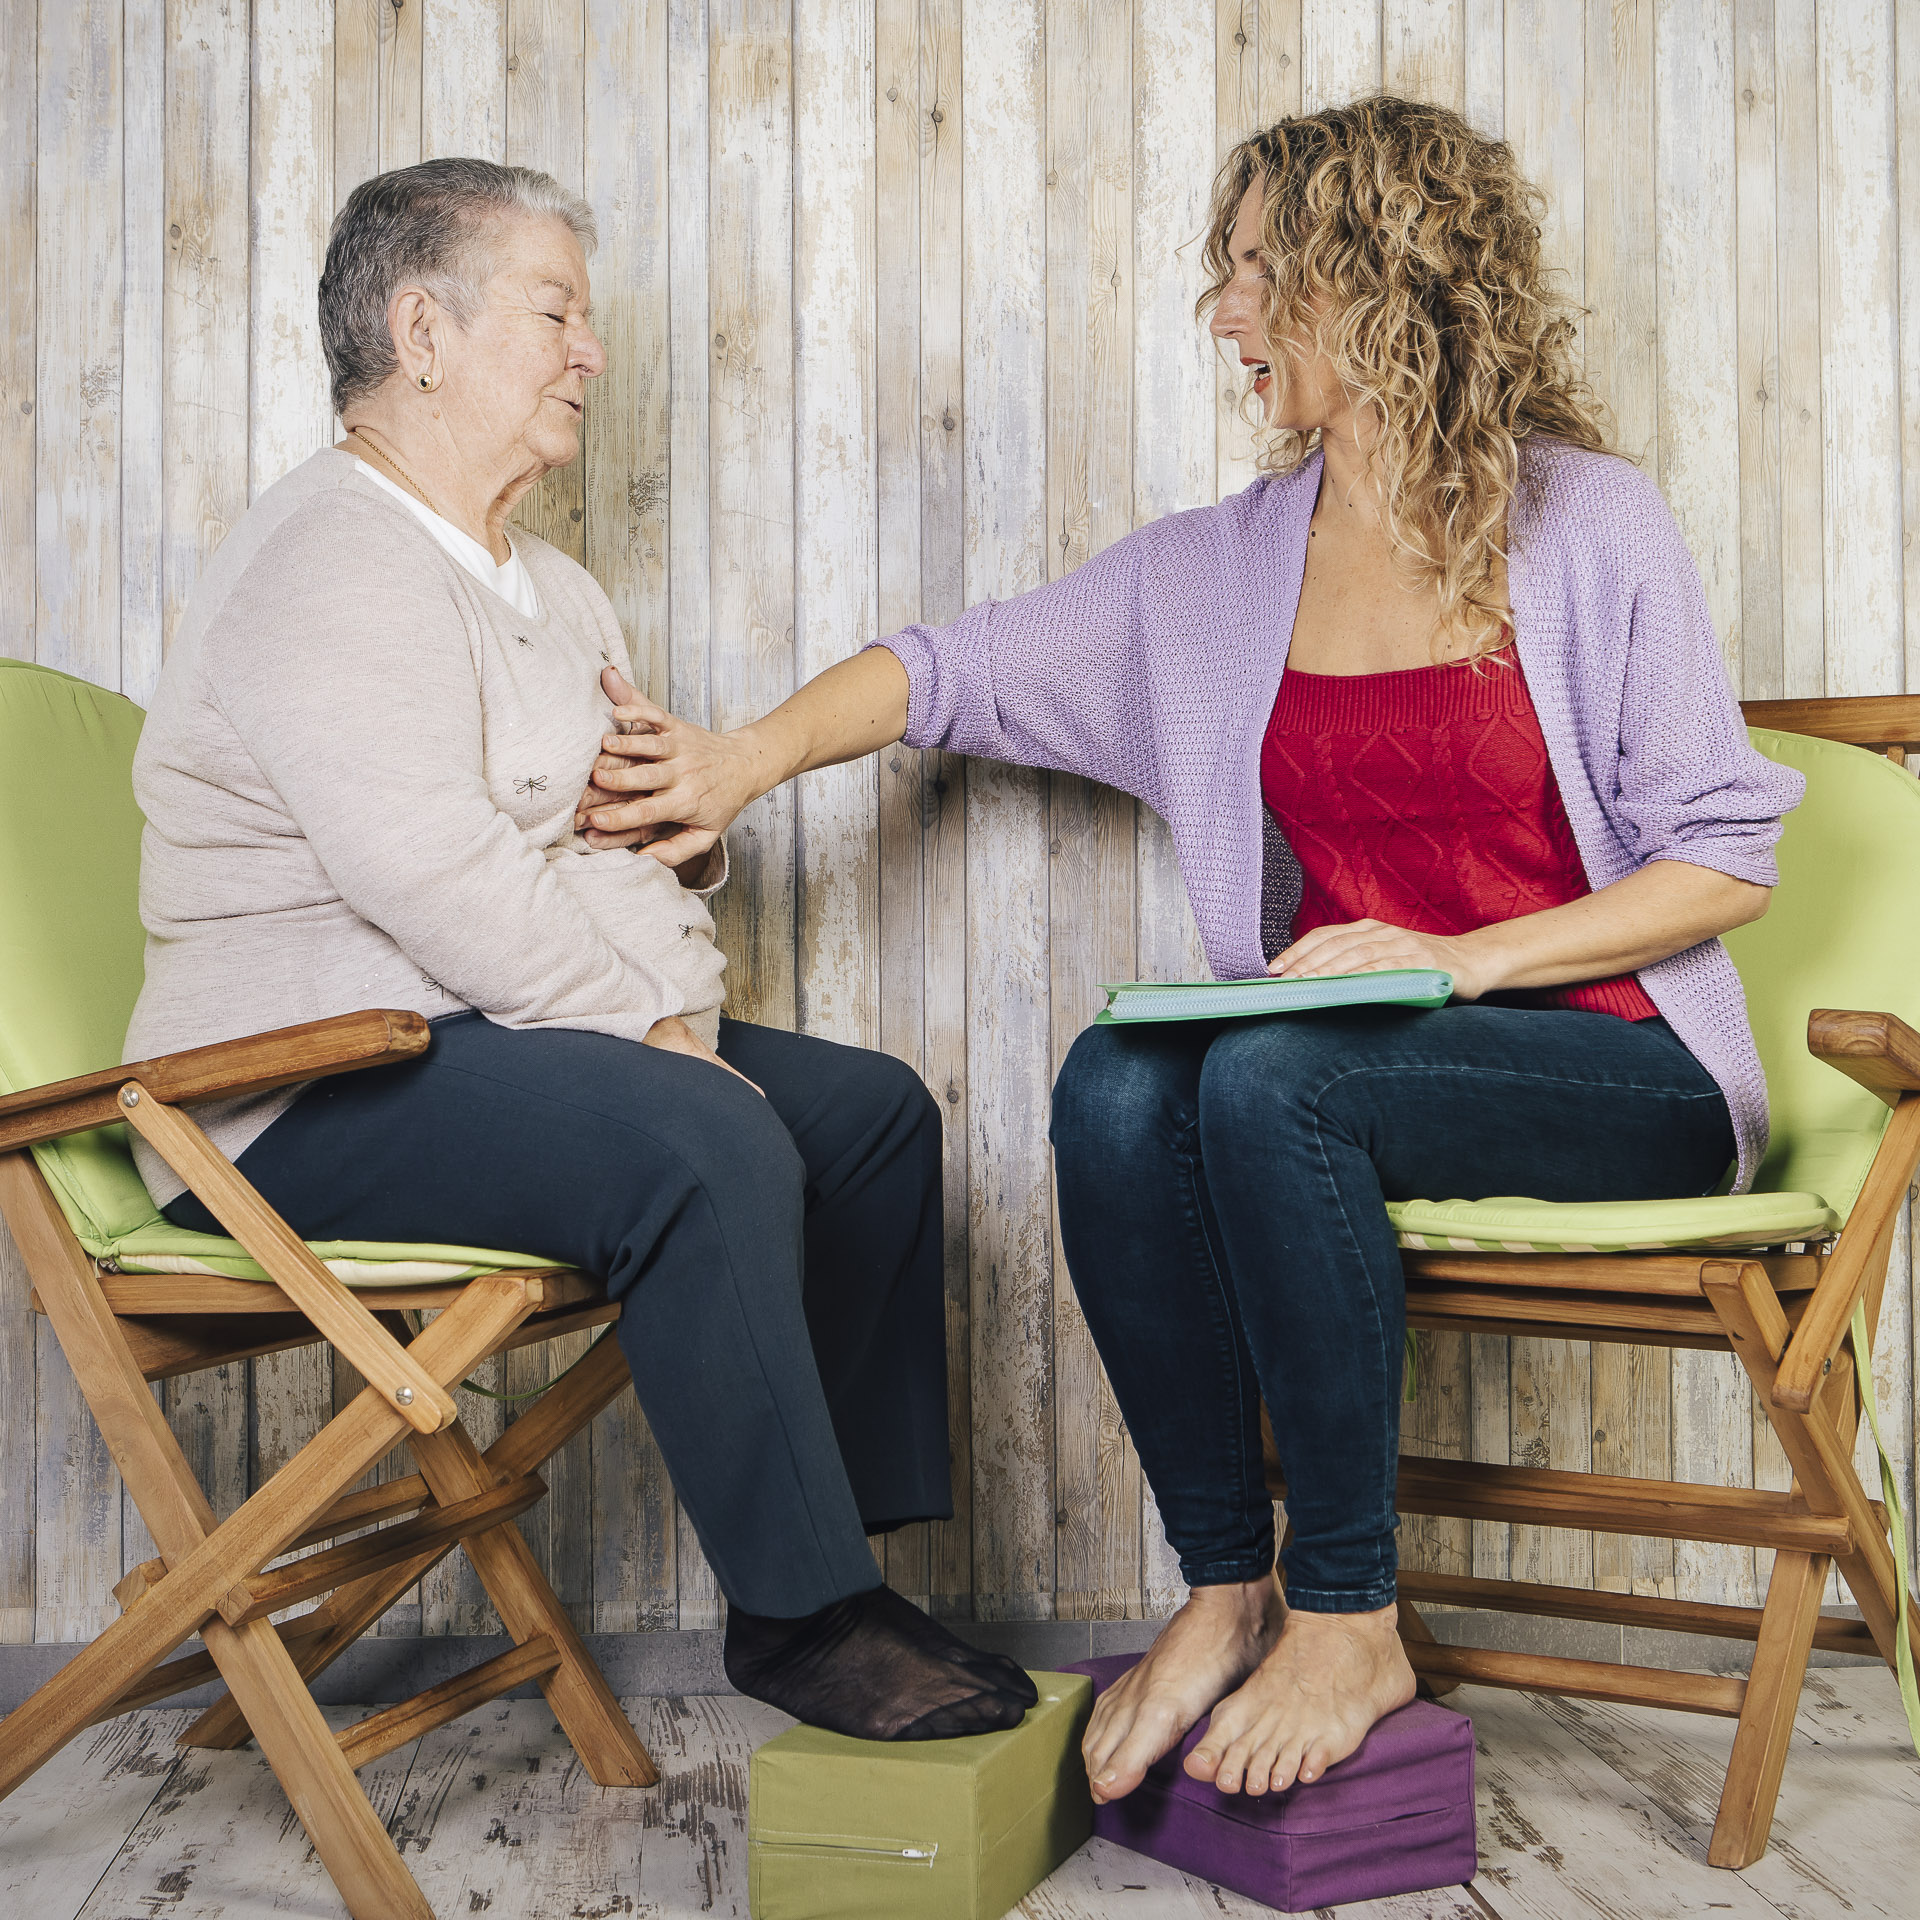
(661, 783)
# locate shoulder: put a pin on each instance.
(1261, 519)
(1591, 532)
(1597, 502)
(321, 562)
(322, 527)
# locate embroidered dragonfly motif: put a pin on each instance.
(534, 783)
(522, 638)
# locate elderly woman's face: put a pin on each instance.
(515, 380)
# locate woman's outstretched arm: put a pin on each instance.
(676, 787)
(1051, 678)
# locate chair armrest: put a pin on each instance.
(257, 1064)
(1878, 1049)
(1881, 1052)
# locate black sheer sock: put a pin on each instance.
(931, 1637)
(855, 1668)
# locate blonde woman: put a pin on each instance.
(1438, 690)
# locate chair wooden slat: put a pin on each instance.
(366, 1740)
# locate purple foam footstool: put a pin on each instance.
(1395, 1816)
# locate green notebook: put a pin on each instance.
(1230, 999)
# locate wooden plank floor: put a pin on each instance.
(1587, 1812)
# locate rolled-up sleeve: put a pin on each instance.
(1691, 785)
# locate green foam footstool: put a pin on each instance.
(841, 1829)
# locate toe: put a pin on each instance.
(1150, 1735)
(1286, 1764)
(1260, 1768)
(1235, 1764)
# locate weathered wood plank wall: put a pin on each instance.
(898, 307)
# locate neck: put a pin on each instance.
(1348, 483)
(474, 495)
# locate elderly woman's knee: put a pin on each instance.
(897, 1091)
(732, 1143)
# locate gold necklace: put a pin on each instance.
(387, 460)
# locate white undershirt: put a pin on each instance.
(512, 582)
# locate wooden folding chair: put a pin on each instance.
(1775, 1277)
(133, 1300)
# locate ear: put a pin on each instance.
(415, 322)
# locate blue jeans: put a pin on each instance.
(1221, 1188)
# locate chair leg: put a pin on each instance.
(348, 1835)
(1766, 1719)
(577, 1692)
(1818, 1444)
(349, 1612)
(526, 1446)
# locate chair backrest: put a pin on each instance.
(71, 943)
(1843, 930)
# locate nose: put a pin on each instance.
(1230, 313)
(588, 355)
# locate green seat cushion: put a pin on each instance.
(161, 1247)
(1611, 1226)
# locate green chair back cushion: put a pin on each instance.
(70, 936)
(1843, 930)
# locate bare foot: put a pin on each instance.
(1309, 1703)
(1203, 1652)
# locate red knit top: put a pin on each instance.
(1426, 799)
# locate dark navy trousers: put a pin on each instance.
(777, 1259)
(1222, 1188)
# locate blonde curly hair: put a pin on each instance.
(1406, 248)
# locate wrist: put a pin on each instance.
(1490, 959)
(765, 760)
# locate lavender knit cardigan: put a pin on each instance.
(1154, 667)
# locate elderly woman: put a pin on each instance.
(1438, 690)
(359, 776)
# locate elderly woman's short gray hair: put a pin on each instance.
(428, 226)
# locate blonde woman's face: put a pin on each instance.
(1294, 381)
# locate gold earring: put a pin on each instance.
(428, 382)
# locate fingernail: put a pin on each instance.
(1105, 1779)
